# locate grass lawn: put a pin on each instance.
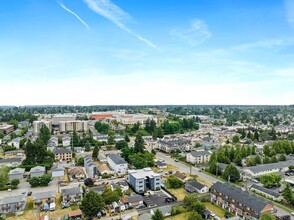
(182, 216)
(215, 209)
(168, 167)
(179, 193)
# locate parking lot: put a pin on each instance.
(156, 200)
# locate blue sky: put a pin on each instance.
(133, 52)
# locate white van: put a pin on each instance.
(52, 206)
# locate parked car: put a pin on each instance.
(29, 193)
(254, 180)
(140, 206)
(65, 205)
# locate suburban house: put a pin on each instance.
(266, 192)
(118, 164)
(165, 210)
(259, 170)
(98, 189)
(102, 158)
(15, 142)
(37, 171)
(144, 179)
(17, 173)
(13, 153)
(51, 146)
(135, 200)
(62, 154)
(76, 214)
(160, 164)
(66, 141)
(57, 172)
(180, 175)
(192, 186)
(77, 172)
(90, 167)
(11, 162)
(13, 204)
(24, 124)
(72, 195)
(104, 169)
(197, 157)
(239, 202)
(42, 198)
(54, 141)
(168, 146)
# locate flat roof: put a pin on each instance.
(142, 173)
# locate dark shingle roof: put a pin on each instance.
(135, 198)
(237, 194)
(13, 199)
(62, 151)
(11, 160)
(195, 184)
(117, 159)
(200, 153)
(265, 190)
(71, 191)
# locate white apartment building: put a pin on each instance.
(73, 126)
(117, 164)
(58, 118)
(197, 157)
(38, 124)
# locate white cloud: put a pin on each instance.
(116, 15)
(74, 14)
(196, 34)
(269, 43)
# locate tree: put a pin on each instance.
(238, 159)
(256, 135)
(15, 182)
(251, 162)
(141, 160)
(236, 139)
(121, 144)
(253, 150)
(1, 135)
(101, 127)
(257, 159)
(274, 159)
(139, 144)
(127, 139)
(87, 146)
(44, 135)
(173, 182)
(282, 157)
(266, 150)
(110, 196)
(89, 182)
(194, 216)
(111, 138)
(157, 215)
(231, 173)
(95, 153)
(14, 123)
(158, 133)
(34, 181)
(81, 161)
(92, 203)
(288, 194)
(270, 180)
(267, 216)
(266, 160)
(44, 180)
(193, 204)
(215, 169)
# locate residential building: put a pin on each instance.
(74, 215)
(98, 189)
(144, 179)
(17, 173)
(11, 162)
(66, 141)
(13, 153)
(102, 158)
(77, 172)
(37, 171)
(57, 172)
(13, 204)
(192, 186)
(239, 202)
(181, 176)
(56, 119)
(38, 124)
(197, 157)
(117, 164)
(266, 192)
(54, 140)
(15, 142)
(72, 195)
(22, 124)
(165, 210)
(160, 164)
(6, 128)
(90, 167)
(63, 154)
(79, 126)
(104, 169)
(42, 198)
(135, 200)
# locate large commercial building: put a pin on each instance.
(58, 118)
(6, 128)
(38, 124)
(144, 179)
(65, 126)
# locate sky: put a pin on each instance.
(146, 52)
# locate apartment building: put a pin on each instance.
(239, 202)
(144, 179)
(6, 128)
(197, 157)
(38, 124)
(90, 166)
(13, 204)
(81, 126)
(117, 164)
(62, 154)
(58, 118)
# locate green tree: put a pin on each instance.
(111, 138)
(270, 180)
(44, 134)
(274, 159)
(266, 160)
(282, 157)
(256, 135)
(215, 169)
(173, 182)
(288, 194)
(236, 139)
(15, 182)
(14, 123)
(1, 135)
(253, 150)
(121, 144)
(75, 142)
(44, 180)
(101, 127)
(192, 203)
(95, 153)
(267, 216)
(157, 215)
(110, 196)
(34, 181)
(257, 159)
(4, 175)
(251, 162)
(266, 150)
(92, 203)
(231, 173)
(127, 139)
(238, 160)
(87, 146)
(158, 133)
(141, 160)
(194, 216)
(81, 161)
(139, 144)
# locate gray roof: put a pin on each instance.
(16, 171)
(117, 159)
(100, 188)
(11, 160)
(135, 198)
(13, 199)
(71, 191)
(37, 169)
(44, 195)
(62, 151)
(251, 201)
(270, 166)
(200, 153)
(166, 210)
(145, 216)
(160, 163)
(265, 190)
(195, 184)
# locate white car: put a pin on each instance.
(254, 180)
(52, 206)
(292, 213)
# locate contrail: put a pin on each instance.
(113, 13)
(70, 11)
